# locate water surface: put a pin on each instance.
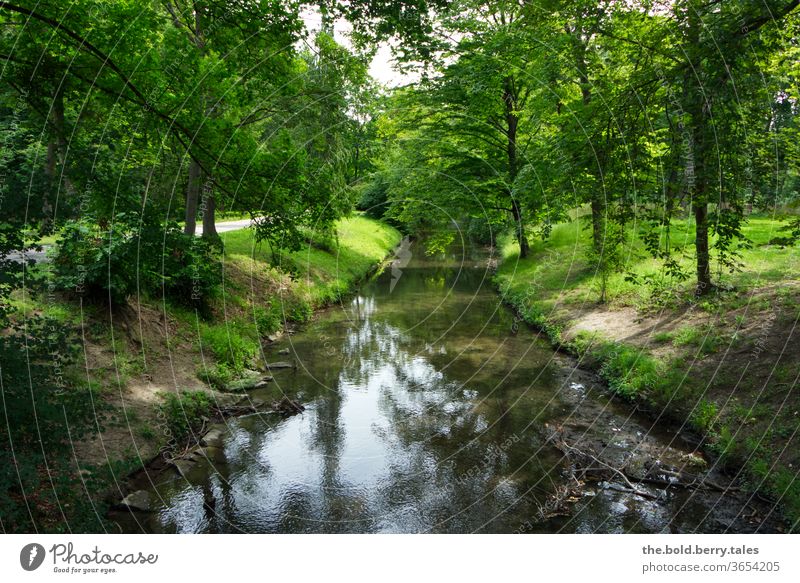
(425, 409)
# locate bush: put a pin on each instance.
(300, 310)
(154, 259)
(268, 320)
(628, 371)
(217, 375)
(705, 415)
(185, 412)
(228, 347)
(481, 231)
(375, 197)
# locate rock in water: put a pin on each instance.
(213, 438)
(138, 501)
(276, 365)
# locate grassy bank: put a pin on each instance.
(156, 372)
(724, 366)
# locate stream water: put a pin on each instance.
(425, 412)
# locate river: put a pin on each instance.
(426, 411)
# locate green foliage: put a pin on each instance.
(185, 412)
(217, 375)
(228, 346)
(629, 371)
(374, 200)
(122, 260)
(701, 337)
(705, 415)
(43, 412)
(268, 320)
(299, 310)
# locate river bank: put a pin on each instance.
(157, 373)
(722, 367)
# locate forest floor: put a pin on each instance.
(135, 356)
(725, 366)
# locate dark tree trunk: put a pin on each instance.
(516, 211)
(195, 179)
(701, 246)
(192, 195)
(697, 174)
(209, 215)
(512, 123)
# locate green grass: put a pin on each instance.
(558, 272)
(323, 274)
(630, 372)
(228, 345)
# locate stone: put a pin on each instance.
(184, 466)
(212, 438)
(138, 501)
(247, 384)
(284, 351)
(277, 365)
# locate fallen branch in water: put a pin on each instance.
(568, 449)
(584, 463)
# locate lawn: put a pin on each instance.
(560, 273)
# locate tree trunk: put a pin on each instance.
(209, 218)
(597, 200)
(697, 174)
(194, 182)
(701, 246)
(512, 123)
(598, 223)
(522, 239)
(192, 194)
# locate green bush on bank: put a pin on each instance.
(128, 258)
(185, 412)
(228, 346)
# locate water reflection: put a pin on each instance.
(424, 414)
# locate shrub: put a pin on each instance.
(185, 412)
(375, 197)
(228, 347)
(113, 263)
(268, 320)
(300, 310)
(628, 371)
(217, 375)
(705, 415)
(479, 230)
